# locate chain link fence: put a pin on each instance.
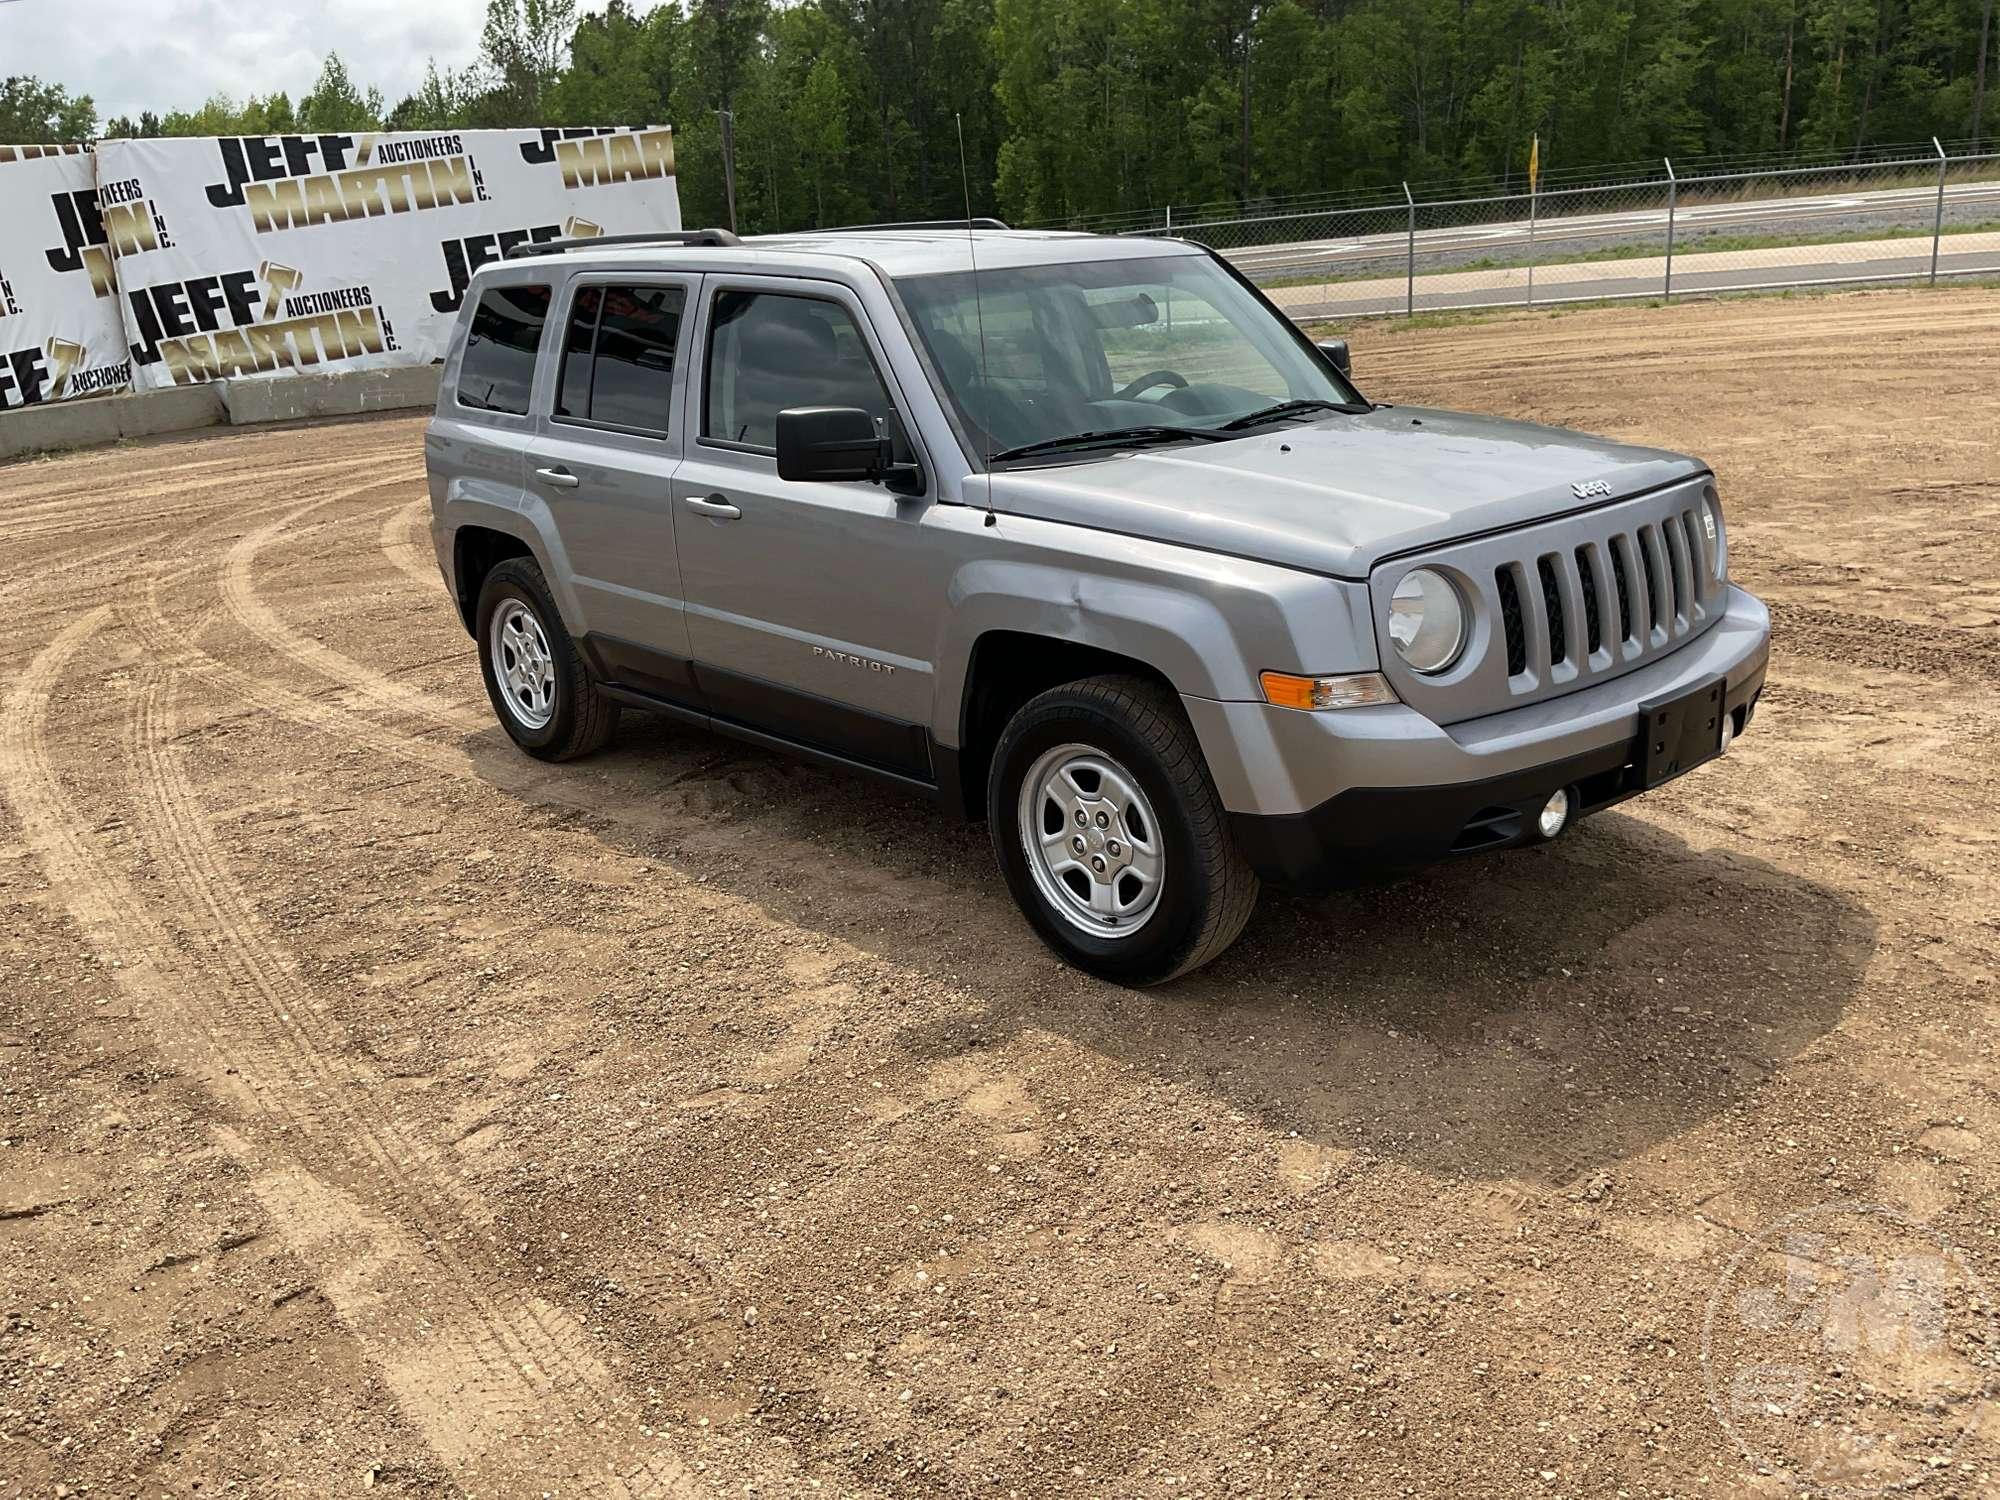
(1910, 219)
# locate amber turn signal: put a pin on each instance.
(1357, 690)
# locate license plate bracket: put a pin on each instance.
(1679, 733)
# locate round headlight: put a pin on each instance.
(1426, 620)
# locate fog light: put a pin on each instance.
(1554, 815)
(1728, 731)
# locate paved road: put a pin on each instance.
(1789, 266)
(1558, 233)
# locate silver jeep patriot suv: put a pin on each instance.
(1079, 535)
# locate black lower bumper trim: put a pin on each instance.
(1368, 833)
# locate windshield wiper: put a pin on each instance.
(1111, 437)
(1285, 409)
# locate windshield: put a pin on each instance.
(1167, 346)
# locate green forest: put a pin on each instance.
(848, 110)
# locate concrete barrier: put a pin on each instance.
(294, 398)
(107, 419)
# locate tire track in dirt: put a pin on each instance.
(119, 928)
(15, 519)
(239, 592)
(359, 686)
(334, 714)
(324, 713)
(372, 692)
(370, 688)
(413, 560)
(817, 1007)
(87, 558)
(72, 473)
(485, 1373)
(473, 1374)
(76, 527)
(84, 560)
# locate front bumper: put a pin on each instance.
(1360, 793)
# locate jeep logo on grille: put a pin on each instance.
(1591, 490)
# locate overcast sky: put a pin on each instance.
(130, 55)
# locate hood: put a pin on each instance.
(1338, 495)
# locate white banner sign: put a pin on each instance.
(265, 255)
(61, 335)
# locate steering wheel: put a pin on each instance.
(1147, 381)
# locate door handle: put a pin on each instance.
(558, 479)
(717, 506)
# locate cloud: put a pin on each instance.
(133, 55)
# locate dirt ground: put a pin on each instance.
(384, 1110)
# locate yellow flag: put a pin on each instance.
(1535, 164)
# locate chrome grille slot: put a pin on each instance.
(1677, 559)
(1657, 587)
(1616, 547)
(1511, 626)
(1552, 601)
(1698, 564)
(1561, 604)
(1593, 614)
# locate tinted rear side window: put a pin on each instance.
(618, 365)
(499, 367)
(573, 400)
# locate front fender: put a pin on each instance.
(1164, 627)
(1209, 625)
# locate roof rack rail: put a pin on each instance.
(960, 224)
(656, 237)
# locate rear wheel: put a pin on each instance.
(541, 688)
(1111, 835)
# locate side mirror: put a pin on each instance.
(1336, 353)
(830, 443)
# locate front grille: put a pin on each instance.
(1569, 602)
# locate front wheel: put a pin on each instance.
(1111, 835)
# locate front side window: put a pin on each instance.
(498, 371)
(1032, 355)
(770, 351)
(618, 357)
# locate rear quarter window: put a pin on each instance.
(498, 371)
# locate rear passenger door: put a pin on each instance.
(603, 462)
(812, 609)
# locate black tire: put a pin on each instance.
(1207, 892)
(583, 718)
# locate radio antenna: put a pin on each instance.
(978, 308)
